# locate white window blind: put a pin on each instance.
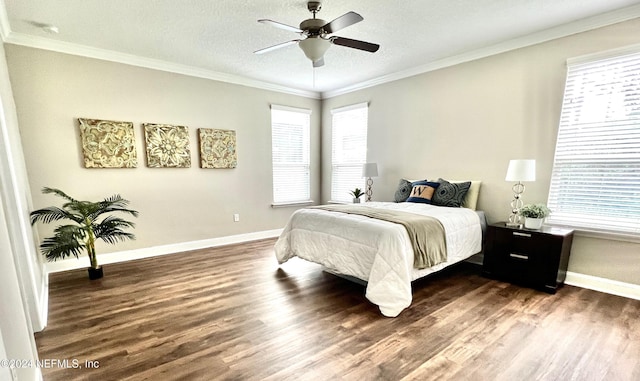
(595, 183)
(290, 154)
(349, 150)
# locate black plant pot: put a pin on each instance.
(95, 273)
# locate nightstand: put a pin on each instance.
(536, 258)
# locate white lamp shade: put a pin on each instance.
(370, 170)
(314, 47)
(521, 170)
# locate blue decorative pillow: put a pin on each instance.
(422, 191)
(403, 191)
(450, 194)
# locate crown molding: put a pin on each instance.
(133, 60)
(583, 25)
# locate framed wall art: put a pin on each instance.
(107, 144)
(217, 148)
(167, 146)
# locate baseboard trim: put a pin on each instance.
(129, 255)
(613, 287)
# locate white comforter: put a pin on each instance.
(376, 251)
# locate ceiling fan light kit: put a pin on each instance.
(314, 48)
(314, 32)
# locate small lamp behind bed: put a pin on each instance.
(369, 170)
(519, 170)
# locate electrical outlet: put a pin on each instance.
(236, 217)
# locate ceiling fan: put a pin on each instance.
(315, 41)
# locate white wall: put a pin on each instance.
(467, 121)
(176, 205)
(23, 284)
(16, 197)
(16, 334)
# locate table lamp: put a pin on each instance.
(519, 170)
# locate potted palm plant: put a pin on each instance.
(534, 215)
(356, 193)
(91, 221)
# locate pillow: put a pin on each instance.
(422, 191)
(471, 199)
(403, 191)
(450, 194)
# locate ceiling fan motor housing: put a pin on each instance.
(313, 27)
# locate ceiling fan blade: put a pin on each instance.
(319, 62)
(281, 25)
(355, 44)
(278, 46)
(342, 22)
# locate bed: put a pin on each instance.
(379, 252)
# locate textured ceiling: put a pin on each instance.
(217, 37)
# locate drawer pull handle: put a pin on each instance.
(519, 256)
(522, 234)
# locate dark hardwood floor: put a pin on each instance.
(232, 313)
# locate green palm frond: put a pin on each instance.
(65, 243)
(81, 208)
(50, 214)
(58, 192)
(111, 230)
(116, 236)
(114, 203)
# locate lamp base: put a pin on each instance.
(514, 218)
(369, 191)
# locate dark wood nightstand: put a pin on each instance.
(536, 258)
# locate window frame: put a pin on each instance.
(305, 163)
(619, 228)
(352, 164)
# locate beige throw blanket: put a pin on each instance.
(426, 233)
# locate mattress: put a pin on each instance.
(376, 251)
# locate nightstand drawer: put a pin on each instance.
(524, 242)
(518, 241)
(515, 265)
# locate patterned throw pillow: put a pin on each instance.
(450, 194)
(422, 191)
(403, 191)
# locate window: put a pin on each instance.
(595, 183)
(290, 155)
(349, 150)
